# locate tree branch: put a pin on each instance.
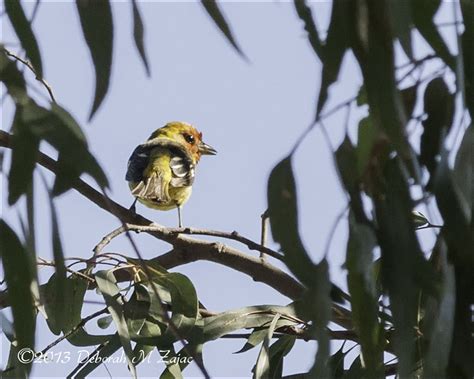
(186, 249)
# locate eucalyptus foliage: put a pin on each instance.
(409, 311)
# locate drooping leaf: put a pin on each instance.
(404, 269)
(337, 42)
(283, 213)
(213, 10)
(92, 362)
(439, 318)
(24, 153)
(373, 48)
(97, 27)
(14, 256)
(277, 351)
(60, 268)
(467, 41)
(423, 12)
(59, 129)
(364, 297)
(138, 35)
(107, 285)
(304, 13)
(136, 309)
(439, 107)
(336, 363)
(456, 213)
(25, 34)
(464, 169)
(262, 366)
(401, 17)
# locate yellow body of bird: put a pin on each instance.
(161, 171)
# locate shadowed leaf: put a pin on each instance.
(213, 10)
(364, 297)
(25, 34)
(138, 36)
(423, 12)
(304, 13)
(262, 366)
(106, 283)
(277, 351)
(337, 42)
(402, 22)
(464, 169)
(18, 276)
(24, 153)
(97, 27)
(283, 213)
(467, 41)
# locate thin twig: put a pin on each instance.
(33, 70)
(83, 322)
(51, 264)
(263, 232)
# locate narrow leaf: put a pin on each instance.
(14, 256)
(262, 366)
(337, 43)
(138, 35)
(24, 153)
(25, 34)
(98, 30)
(213, 10)
(304, 13)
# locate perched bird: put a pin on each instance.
(160, 172)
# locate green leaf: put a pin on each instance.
(283, 214)
(255, 338)
(64, 312)
(423, 13)
(58, 254)
(456, 213)
(366, 138)
(401, 17)
(212, 9)
(467, 41)
(98, 30)
(136, 309)
(278, 350)
(404, 269)
(337, 42)
(364, 297)
(107, 285)
(95, 360)
(439, 318)
(60, 130)
(373, 47)
(464, 169)
(249, 317)
(24, 153)
(25, 34)
(262, 366)
(355, 370)
(12, 78)
(104, 322)
(18, 277)
(336, 362)
(419, 219)
(304, 13)
(439, 107)
(138, 35)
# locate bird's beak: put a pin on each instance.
(205, 149)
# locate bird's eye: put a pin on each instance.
(189, 138)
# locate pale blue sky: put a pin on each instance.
(252, 113)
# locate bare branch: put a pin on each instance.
(33, 70)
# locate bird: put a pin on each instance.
(160, 172)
